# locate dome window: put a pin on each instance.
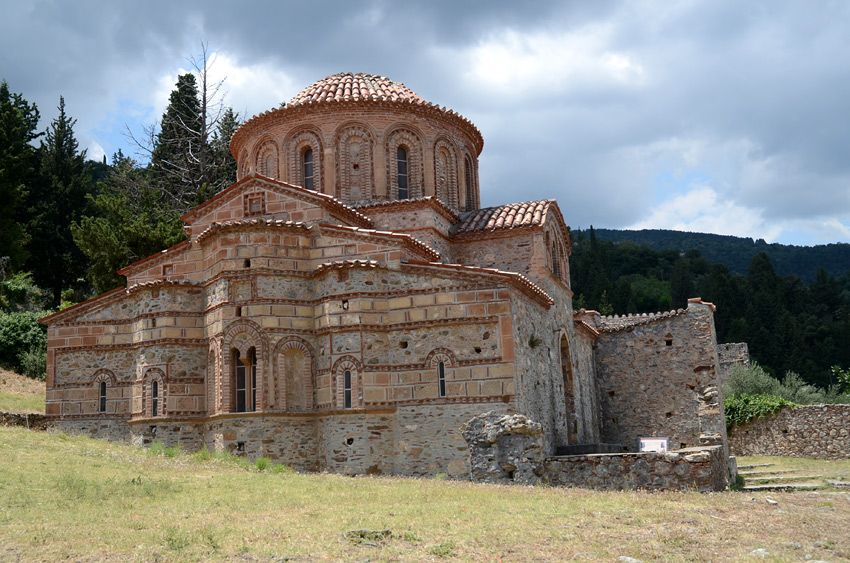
(307, 169)
(403, 177)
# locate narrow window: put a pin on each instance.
(307, 168)
(470, 180)
(401, 158)
(346, 389)
(102, 405)
(441, 370)
(155, 399)
(241, 384)
(556, 263)
(253, 356)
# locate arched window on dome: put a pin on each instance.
(307, 169)
(402, 162)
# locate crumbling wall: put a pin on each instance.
(504, 448)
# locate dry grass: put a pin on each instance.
(20, 394)
(74, 498)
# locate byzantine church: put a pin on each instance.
(347, 305)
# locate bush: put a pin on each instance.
(34, 363)
(744, 408)
(793, 388)
(20, 334)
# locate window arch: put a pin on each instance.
(304, 151)
(441, 361)
(245, 380)
(404, 172)
(348, 383)
(445, 170)
(267, 161)
(294, 369)
(154, 394)
(248, 339)
(103, 380)
(354, 161)
(470, 192)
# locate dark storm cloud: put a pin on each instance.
(624, 111)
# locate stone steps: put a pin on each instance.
(785, 478)
(805, 486)
(757, 473)
(754, 465)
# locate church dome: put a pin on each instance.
(346, 86)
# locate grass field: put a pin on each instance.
(20, 394)
(73, 498)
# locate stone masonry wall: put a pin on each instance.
(731, 355)
(815, 431)
(660, 378)
(704, 469)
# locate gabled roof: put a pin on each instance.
(253, 178)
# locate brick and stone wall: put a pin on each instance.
(814, 431)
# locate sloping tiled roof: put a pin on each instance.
(616, 323)
(348, 86)
(510, 216)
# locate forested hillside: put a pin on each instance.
(789, 324)
(736, 253)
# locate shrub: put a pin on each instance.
(262, 463)
(20, 333)
(33, 363)
(753, 381)
(744, 408)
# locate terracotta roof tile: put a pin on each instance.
(348, 86)
(615, 323)
(509, 216)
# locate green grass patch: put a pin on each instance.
(16, 402)
(73, 498)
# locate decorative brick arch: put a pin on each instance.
(242, 335)
(306, 377)
(556, 255)
(267, 159)
(445, 173)
(104, 375)
(103, 380)
(411, 140)
(151, 376)
(468, 200)
(347, 363)
(354, 162)
(438, 355)
(295, 145)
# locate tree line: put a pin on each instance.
(67, 222)
(790, 325)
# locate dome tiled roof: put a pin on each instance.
(348, 86)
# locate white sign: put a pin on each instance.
(653, 444)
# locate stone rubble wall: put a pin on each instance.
(33, 421)
(704, 469)
(660, 378)
(813, 431)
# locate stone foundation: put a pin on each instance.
(702, 469)
(815, 431)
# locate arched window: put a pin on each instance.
(403, 176)
(346, 389)
(469, 180)
(441, 378)
(307, 169)
(155, 398)
(556, 262)
(245, 381)
(101, 404)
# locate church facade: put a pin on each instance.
(347, 306)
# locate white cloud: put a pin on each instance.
(516, 64)
(94, 151)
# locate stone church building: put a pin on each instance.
(347, 305)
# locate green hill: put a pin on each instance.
(736, 253)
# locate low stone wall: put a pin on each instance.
(815, 431)
(704, 469)
(31, 421)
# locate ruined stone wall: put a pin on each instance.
(702, 468)
(815, 431)
(730, 355)
(659, 377)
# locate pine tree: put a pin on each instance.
(18, 123)
(56, 200)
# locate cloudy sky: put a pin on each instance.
(712, 116)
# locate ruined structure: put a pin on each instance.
(348, 306)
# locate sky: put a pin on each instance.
(716, 116)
